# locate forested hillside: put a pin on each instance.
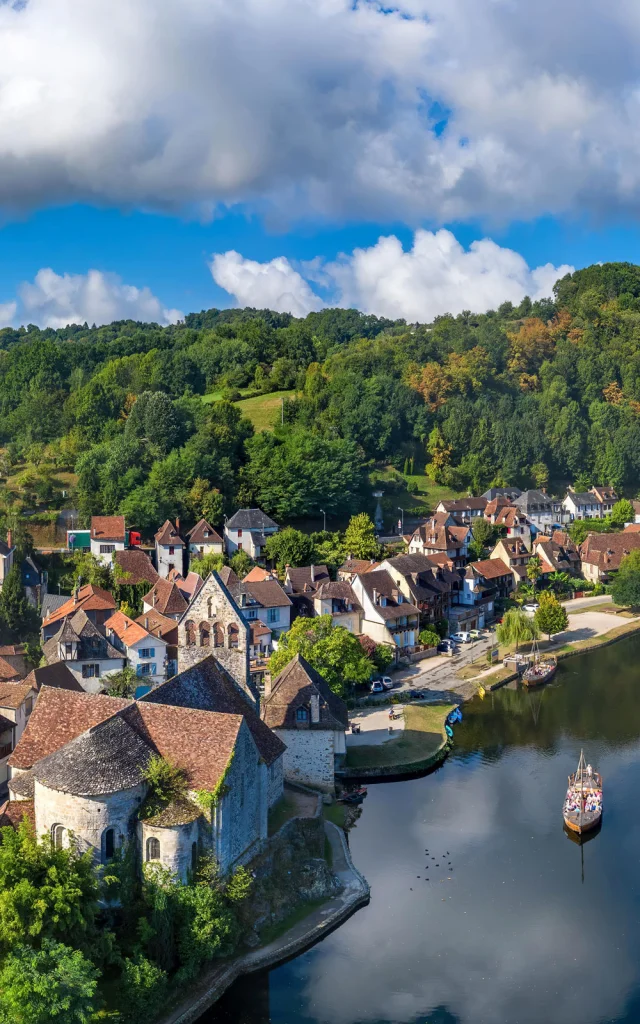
(545, 393)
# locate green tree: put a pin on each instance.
(289, 547)
(429, 637)
(332, 650)
(53, 983)
(205, 502)
(360, 537)
(241, 564)
(516, 628)
(483, 534)
(534, 569)
(550, 616)
(14, 607)
(383, 657)
(625, 588)
(123, 683)
(622, 512)
(85, 568)
(204, 564)
(559, 581)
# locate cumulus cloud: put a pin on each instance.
(274, 285)
(440, 109)
(55, 300)
(437, 275)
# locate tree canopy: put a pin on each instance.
(332, 650)
(625, 588)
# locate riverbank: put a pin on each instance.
(418, 743)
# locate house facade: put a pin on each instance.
(386, 616)
(263, 600)
(204, 540)
(515, 556)
(248, 530)
(602, 553)
(169, 549)
(146, 654)
(427, 582)
(484, 583)
(86, 651)
(542, 511)
(107, 535)
(97, 604)
(464, 509)
(442, 535)
(596, 503)
(310, 720)
(16, 704)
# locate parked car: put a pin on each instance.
(389, 683)
(531, 608)
(446, 647)
(478, 634)
(461, 638)
(377, 687)
(417, 694)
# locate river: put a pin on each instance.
(505, 920)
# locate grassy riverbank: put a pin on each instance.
(422, 738)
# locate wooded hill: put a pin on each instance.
(545, 393)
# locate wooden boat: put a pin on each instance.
(582, 810)
(541, 669)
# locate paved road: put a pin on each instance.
(586, 602)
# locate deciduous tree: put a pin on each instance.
(550, 616)
(625, 588)
(332, 650)
(516, 628)
(289, 547)
(360, 537)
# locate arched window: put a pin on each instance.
(209, 607)
(233, 634)
(153, 848)
(218, 635)
(57, 836)
(109, 844)
(302, 715)
(190, 630)
(204, 634)
(194, 856)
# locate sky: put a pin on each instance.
(408, 159)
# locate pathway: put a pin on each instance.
(375, 723)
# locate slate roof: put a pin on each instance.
(534, 501)
(267, 593)
(166, 598)
(464, 505)
(58, 717)
(383, 583)
(198, 534)
(293, 688)
(13, 694)
(50, 603)
(179, 812)
(208, 687)
(300, 577)
(22, 785)
(57, 674)
(107, 528)
(250, 519)
(168, 536)
(338, 590)
(107, 758)
(507, 492)
(137, 565)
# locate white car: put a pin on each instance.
(461, 638)
(531, 608)
(387, 682)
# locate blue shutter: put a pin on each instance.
(153, 670)
(152, 653)
(138, 670)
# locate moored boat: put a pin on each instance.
(582, 810)
(541, 669)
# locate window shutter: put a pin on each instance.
(153, 670)
(138, 670)
(152, 652)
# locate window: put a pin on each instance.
(172, 550)
(153, 848)
(28, 706)
(273, 615)
(239, 545)
(90, 671)
(57, 836)
(147, 652)
(146, 669)
(251, 613)
(68, 650)
(302, 715)
(107, 549)
(109, 844)
(239, 533)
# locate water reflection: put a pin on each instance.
(494, 924)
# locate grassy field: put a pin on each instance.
(422, 737)
(263, 409)
(417, 489)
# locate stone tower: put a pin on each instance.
(213, 624)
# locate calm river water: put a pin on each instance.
(520, 929)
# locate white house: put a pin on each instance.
(169, 549)
(7, 556)
(387, 616)
(265, 600)
(16, 705)
(596, 503)
(310, 720)
(442, 535)
(146, 654)
(84, 647)
(542, 511)
(248, 530)
(464, 509)
(204, 540)
(107, 534)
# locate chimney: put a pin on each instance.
(177, 526)
(146, 622)
(154, 597)
(75, 595)
(313, 573)
(9, 538)
(374, 596)
(373, 561)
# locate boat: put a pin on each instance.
(582, 810)
(541, 668)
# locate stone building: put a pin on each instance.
(310, 720)
(213, 622)
(79, 770)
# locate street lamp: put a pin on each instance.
(324, 514)
(401, 511)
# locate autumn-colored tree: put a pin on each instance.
(468, 370)
(530, 346)
(432, 382)
(440, 453)
(613, 393)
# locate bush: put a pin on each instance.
(143, 989)
(429, 637)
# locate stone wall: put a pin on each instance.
(88, 817)
(309, 757)
(241, 816)
(214, 606)
(176, 845)
(276, 780)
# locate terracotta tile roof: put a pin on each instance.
(166, 598)
(199, 742)
(13, 694)
(496, 503)
(509, 515)
(108, 528)
(359, 566)
(168, 536)
(203, 533)
(125, 628)
(58, 717)
(605, 494)
(11, 650)
(159, 625)
(339, 590)
(57, 674)
(137, 565)
(258, 629)
(191, 585)
(632, 528)
(368, 645)
(268, 594)
(8, 672)
(12, 812)
(256, 575)
(606, 550)
(89, 598)
(294, 688)
(437, 535)
(491, 568)
(300, 577)
(208, 687)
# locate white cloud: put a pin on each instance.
(55, 300)
(436, 276)
(274, 285)
(323, 106)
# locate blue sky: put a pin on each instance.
(255, 152)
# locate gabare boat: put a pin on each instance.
(582, 809)
(541, 669)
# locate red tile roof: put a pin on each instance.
(159, 625)
(13, 694)
(137, 565)
(125, 628)
(12, 813)
(491, 568)
(108, 528)
(8, 672)
(88, 598)
(166, 598)
(168, 536)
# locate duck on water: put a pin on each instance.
(583, 803)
